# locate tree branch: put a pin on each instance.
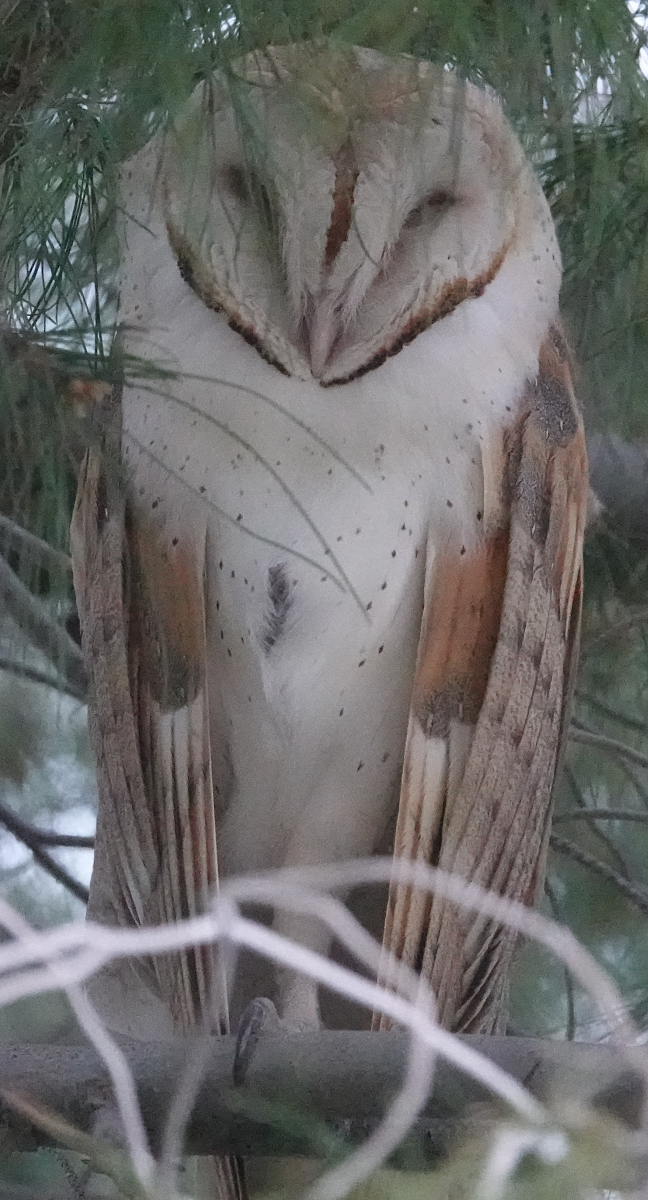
(639, 787)
(633, 619)
(577, 733)
(619, 476)
(569, 983)
(41, 629)
(606, 710)
(636, 894)
(24, 830)
(343, 1079)
(35, 543)
(602, 814)
(602, 837)
(35, 676)
(34, 839)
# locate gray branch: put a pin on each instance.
(42, 549)
(578, 733)
(44, 678)
(32, 836)
(634, 892)
(619, 476)
(41, 629)
(601, 814)
(343, 1079)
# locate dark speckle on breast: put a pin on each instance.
(280, 602)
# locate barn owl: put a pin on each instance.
(335, 582)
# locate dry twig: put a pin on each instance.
(634, 892)
(602, 814)
(578, 733)
(42, 630)
(36, 839)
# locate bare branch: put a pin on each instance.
(347, 1077)
(577, 733)
(64, 957)
(34, 839)
(633, 621)
(619, 475)
(639, 787)
(41, 629)
(596, 830)
(602, 814)
(638, 895)
(569, 983)
(606, 710)
(23, 830)
(57, 683)
(37, 544)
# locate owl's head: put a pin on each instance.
(335, 203)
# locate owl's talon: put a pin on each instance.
(258, 1018)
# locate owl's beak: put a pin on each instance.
(323, 330)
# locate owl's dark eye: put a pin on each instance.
(245, 186)
(436, 201)
(236, 181)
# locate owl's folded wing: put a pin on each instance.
(497, 651)
(141, 607)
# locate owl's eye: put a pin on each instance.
(437, 202)
(237, 182)
(245, 186)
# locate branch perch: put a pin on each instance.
(341, 1078)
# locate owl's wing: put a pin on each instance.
(497, 651)
(143, 623)
(141, 607)
(142, 613)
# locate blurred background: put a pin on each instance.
(84, 83)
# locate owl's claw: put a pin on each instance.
(258, 1018)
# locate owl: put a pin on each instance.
(330, 592)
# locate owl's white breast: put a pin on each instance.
(323, 507)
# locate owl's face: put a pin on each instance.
(335, 204)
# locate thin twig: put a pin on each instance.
(639, 787)
(588, 738)
(35, 543)
(41, 629)
(57, 683)
(23, 829)
(606, 710)
(569, 985)
(638, 895)
(33, 839)
(601, 814)
(638, 617)
(596, 830)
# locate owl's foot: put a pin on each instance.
(258, 1018)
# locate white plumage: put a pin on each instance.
(350, 275)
